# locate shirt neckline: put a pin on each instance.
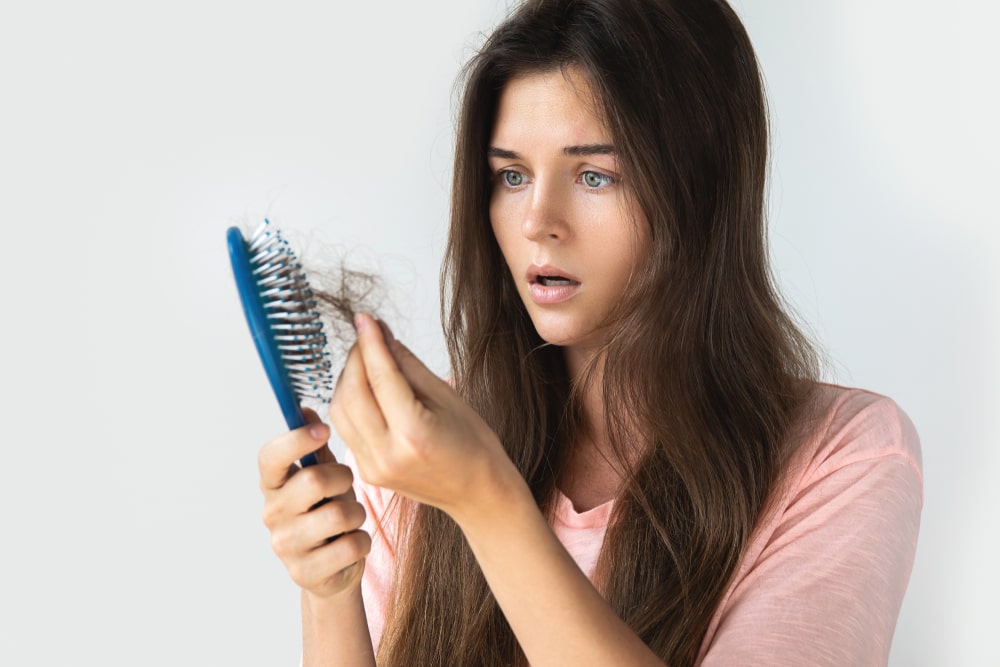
(595, 517)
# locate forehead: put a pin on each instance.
(553, 105)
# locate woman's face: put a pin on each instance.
(570, 235)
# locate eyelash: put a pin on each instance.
(606, 180)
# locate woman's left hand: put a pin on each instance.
(412, 433)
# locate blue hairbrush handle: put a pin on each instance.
(260, 328)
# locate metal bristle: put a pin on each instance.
(291, 309)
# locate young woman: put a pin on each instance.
(633, 463)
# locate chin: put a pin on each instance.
(560, 333)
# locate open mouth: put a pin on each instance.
(550, 285)
(550, 276)
(554, 281)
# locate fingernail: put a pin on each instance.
(318, 431)
(360, 321)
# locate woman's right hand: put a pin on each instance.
(302, 525)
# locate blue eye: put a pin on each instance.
(512, 179)
(593, 179)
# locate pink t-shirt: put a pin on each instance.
(824, 575)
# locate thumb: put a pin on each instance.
(424, 383)
(323, 454)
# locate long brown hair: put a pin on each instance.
(703, 357)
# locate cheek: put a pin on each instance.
(636, 238)
(627, 251)
(620, 246)
(642, 245)
(502, 230)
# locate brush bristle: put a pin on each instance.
(291, 310)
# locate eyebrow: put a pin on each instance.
(590, 149)
(586, 149)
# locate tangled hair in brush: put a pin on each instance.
(341, 289)
(340, 295)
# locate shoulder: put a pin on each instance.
(856, 457)
(830, 560)
(844, 426)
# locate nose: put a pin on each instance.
(545, 218)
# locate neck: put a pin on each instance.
(593, 442)
(592, 397)
(590, 477)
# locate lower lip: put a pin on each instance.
(546, 295)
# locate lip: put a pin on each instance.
(544, 295)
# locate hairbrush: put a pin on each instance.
(281, 312)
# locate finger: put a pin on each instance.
(331, 520)
(323, 454)
(308, 489)
(315, 528)
(311, 485)
(276, 459)
(354, 410)
(424, 383)
(388, 384)
(334, 564)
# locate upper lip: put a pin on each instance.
(534, 271)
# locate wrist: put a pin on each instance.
(332, 604)
(499, 492)
(335, 630)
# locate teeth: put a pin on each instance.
(554, 281)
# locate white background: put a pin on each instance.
(133, 134)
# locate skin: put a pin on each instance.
(569, 207)
(329, 573)
(411, 433)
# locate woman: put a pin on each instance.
(634, 463)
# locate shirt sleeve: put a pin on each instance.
(824, 582)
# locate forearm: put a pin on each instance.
(335, 632)
(559, 618)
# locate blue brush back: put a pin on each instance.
(262, 328)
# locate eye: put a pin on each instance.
(512, 179)
(595, 179)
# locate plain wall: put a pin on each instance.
(132, 135)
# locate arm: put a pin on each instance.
(411, 433)
(559, 618)
(335, 631)
(334, 628)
